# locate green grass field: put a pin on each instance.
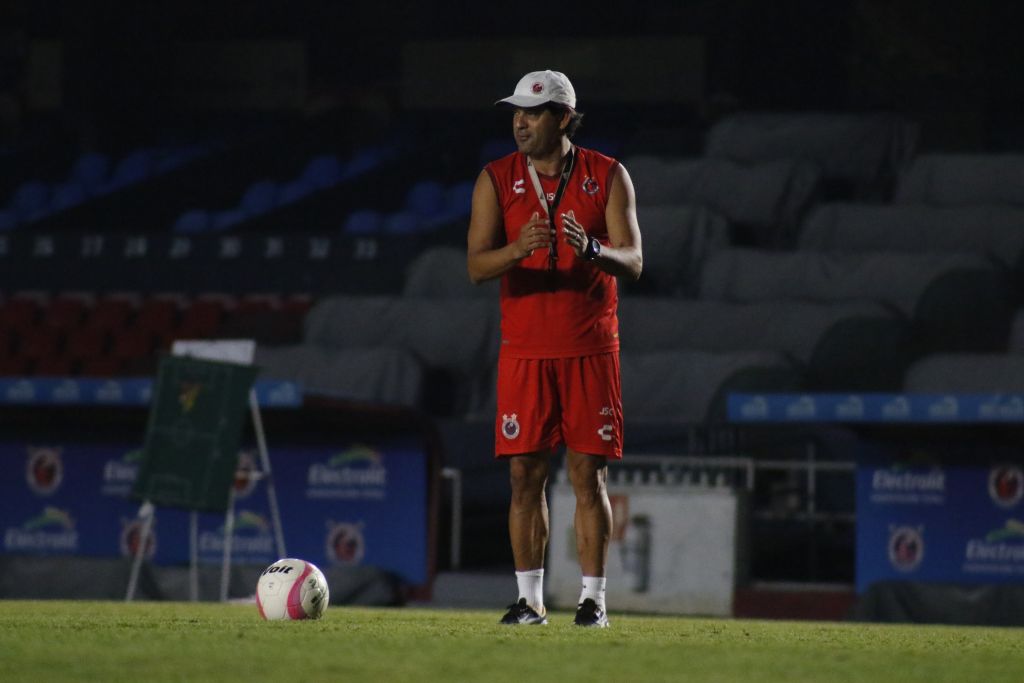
(109, 641)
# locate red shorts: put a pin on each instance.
(544, 403)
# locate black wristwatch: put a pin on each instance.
(593, 249)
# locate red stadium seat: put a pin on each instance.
(104, 366)
(159, 316)
(111, 314)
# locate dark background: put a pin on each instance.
(953, 66)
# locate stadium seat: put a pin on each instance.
(963, 179)
(402, 223)
(967, 373)
(132, 168)
(855, 346)
(685, 236)
(65, 312)
(193, 221)
(39, 342)
(226, 219)
(440, 273)
(54, 366)
(371, 375)
(133, 345)
(458, 200)
(90, 171)
(363, 161)
(294, 191)
(426, 198)
(200, 319)
(363, 222)
(322, 171)
(157, 316)
(259, 198)
(29, 201)
(86, 343)
(690, 387)
(13, 365)
(764, 201)
(67, 195)
(956, 302)
(859, 155)
(994, 231)
(103, 366)
(111, 314)
(19, 312)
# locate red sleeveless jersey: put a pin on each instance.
(570, 311)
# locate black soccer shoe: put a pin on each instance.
(521, 613)
(589, 614)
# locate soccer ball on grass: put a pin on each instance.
(292, 589)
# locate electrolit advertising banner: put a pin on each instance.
(359, 504)
(945, 524)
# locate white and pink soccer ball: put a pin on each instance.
(292, 589)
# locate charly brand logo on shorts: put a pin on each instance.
(1006, 485)
(590, 185)
(510, 426)
(906, 548)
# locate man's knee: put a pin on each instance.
(528, 477)
(589, 478)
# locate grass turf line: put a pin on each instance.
(43, 641)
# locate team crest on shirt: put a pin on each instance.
(509, 426)
(590, 185)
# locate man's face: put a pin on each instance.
(537, 131)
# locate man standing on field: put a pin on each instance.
(558, 224)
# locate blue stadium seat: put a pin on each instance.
(133, 168)
(29, 201)
(323, 171)
(402, 223)
(91, 171)
(363, 222)
(226, 219)
(294, 191)
(193, 221)
(426, 198)
(259, 198)
(67, 195)
(362, 161)
(459, 197)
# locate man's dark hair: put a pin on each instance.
(575, 118)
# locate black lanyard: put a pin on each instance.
(552, 206)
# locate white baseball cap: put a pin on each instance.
(540, 87)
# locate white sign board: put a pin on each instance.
(673, 549)
(240, 351)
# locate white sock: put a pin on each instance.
(531, 587)
(593, 588)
